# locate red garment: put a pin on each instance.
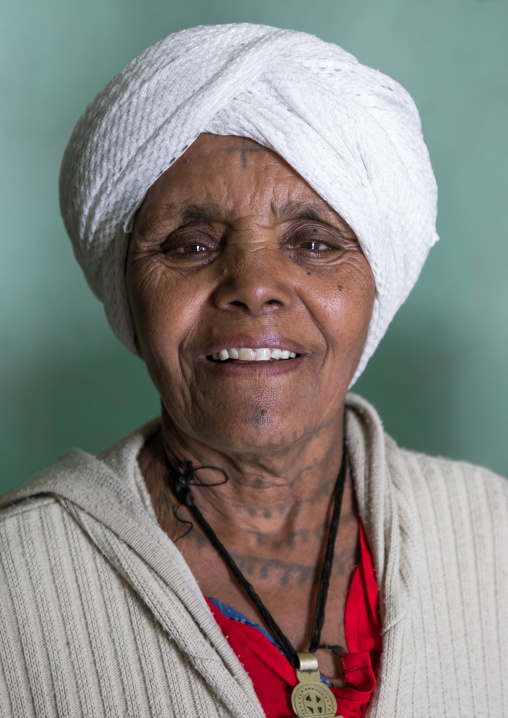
(274, 678)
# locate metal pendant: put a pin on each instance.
(310, 697)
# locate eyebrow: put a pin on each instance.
(200, 213)
(313, 211)
(183, 215)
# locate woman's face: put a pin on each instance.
(231, 249)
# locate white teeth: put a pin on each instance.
(263, 354)
(246, 354)
(259, 354)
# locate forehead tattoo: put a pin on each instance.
(243, 147)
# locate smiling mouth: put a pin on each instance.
(247, 354)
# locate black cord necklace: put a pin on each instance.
(310, 696)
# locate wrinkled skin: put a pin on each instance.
(231, 247)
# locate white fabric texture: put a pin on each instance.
(350, 131)
(101, 616)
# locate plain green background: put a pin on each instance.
(439, 376)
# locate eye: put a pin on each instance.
(314, 245)
(189, 249)
(190, 246)
(314, 241)
(317, 243)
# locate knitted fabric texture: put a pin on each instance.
(351, 132)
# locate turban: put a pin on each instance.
(350, 131)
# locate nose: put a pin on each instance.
(253, 281)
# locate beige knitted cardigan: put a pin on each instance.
(101, 616)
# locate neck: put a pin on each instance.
(269, 500)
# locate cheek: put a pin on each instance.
(164, 310)
(361, 295)
(346, 306)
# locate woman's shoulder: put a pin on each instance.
(441, 474)
(54, 525)
(442, 496)
(419, 469)
(110, 475)
(40, 494)
(459, 510)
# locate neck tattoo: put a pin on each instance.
(310, 696)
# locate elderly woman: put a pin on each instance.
(252, 205)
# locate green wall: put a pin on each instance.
(439, 376)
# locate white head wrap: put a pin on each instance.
(351, 132)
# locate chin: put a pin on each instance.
(256, 433)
